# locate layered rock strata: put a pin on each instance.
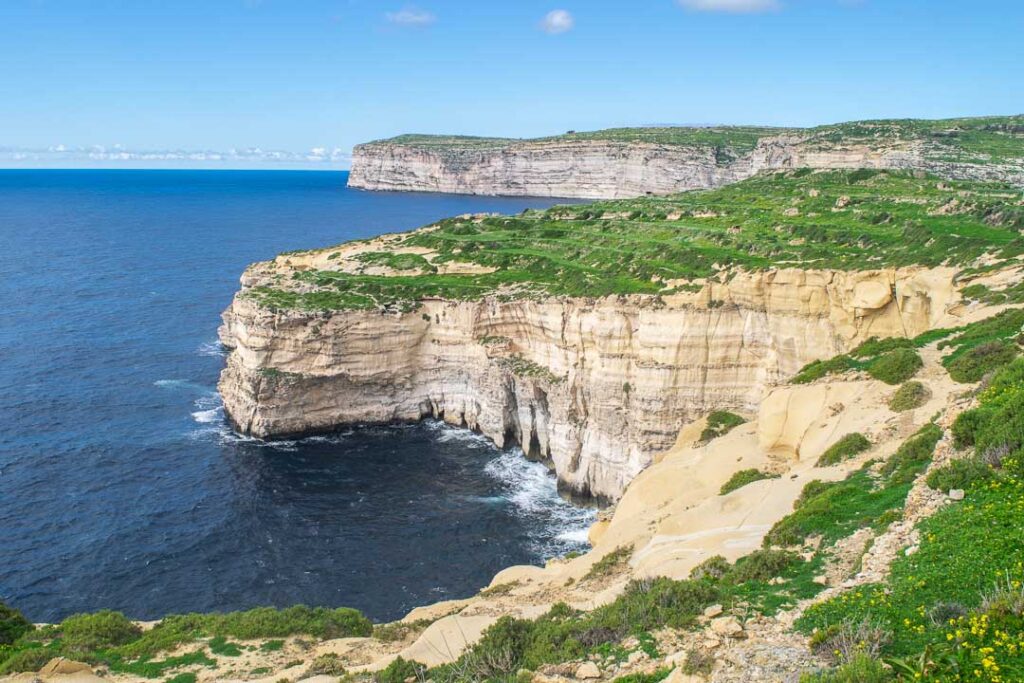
(598, 169)
(596, 388)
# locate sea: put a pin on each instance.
(121, 485)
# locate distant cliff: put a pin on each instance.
(629, 162)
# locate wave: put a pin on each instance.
(214, 348)
(559, 526)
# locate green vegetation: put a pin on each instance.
(896, 366)
(328, 664)
(955, 607)
(102, 630)
(844, 449)
(219, 645)
(834, 510)
(744, 477)
(109, 638)
(862, 668)
(959, 474)
(967, 140)
(609, 563)
(720, 422)
(909, 396)
(400, 261)
(13, 625)
(984, 346)
(399, 671)
(187, 677)
(657, 245)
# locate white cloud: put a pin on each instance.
(557, 21)
(731, 6)
(411, 16)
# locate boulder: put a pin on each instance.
(587, 671)
(956, 494)
(713, 611)
(726, 626)
(62, 666)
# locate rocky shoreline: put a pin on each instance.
(596, 388)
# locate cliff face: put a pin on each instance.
(595, 387)
(597, 169)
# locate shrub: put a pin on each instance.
(909, 396)
(959, 474)
(861, 669)
(84, 633)
(399, 670)
(761, 565)
(32, 659)
(876, 347)
(714, 567)
(821, 368)
(912, 455)
(896, 366)
(840, 643)
(967, 425)
(744, 477)
(609, 562)
(187, 677)
(810, 490)
(698, 663)
(844, 449)
(328, 664)
(979, 361)
(219, 645)
(13, 624)
(720, 422)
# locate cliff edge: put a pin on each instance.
(628, 162)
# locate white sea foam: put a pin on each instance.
(532, 489)
(214, 348)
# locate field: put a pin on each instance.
(972, 140)
(849, 220)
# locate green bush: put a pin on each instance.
(720, 422)
(714, 567)
(609, 562)
(85, 633)
(810, 490)
(981, 360)
(821, 368)
(744, 477)
(909, 396)
(328, 664)
(187, 677)
(844, 449)
(895, 367)
(32, 659)
(398, 671)
(761, 565)
(13, 624)
(913, 455)
(959, 474)
(862, 668)
(967, 425)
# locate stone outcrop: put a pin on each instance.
(596, 388)
(608, 169)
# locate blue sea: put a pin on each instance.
(122, 487)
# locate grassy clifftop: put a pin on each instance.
(977, 139)
(847, 220)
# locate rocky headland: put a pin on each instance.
(800, 397)
(628, 162)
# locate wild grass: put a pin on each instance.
(637, 246)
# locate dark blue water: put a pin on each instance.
(120, 485)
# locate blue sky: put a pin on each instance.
(301, 74)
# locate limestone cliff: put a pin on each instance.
(596, 387)
(632, 162)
